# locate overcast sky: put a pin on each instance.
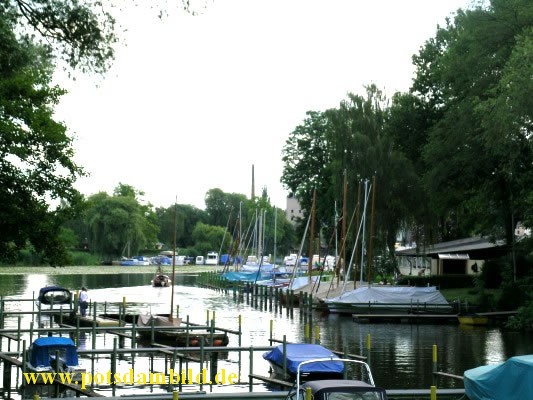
(191, 102)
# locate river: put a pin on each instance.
(400, 354)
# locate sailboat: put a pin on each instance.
(176, 333)
(154, 321)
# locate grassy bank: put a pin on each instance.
(104, 269)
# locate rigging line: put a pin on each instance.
(343, 245)
(333, 235)
(299, 253)
(347, 274)
(225, 230)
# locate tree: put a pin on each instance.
(81, 33)
(119, 225)
(186, 217)
(36, 169)
(478, 150)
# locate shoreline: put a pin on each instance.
(106, 269)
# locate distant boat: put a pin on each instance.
(160, 279)
(135, 261)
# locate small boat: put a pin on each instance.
(177, 336)
(472, 319)
(295, 354)
(53, 353)
(341, 389)
(160, 279)
(509, 380)
(55, 298)
(329, 389)
(135, 261)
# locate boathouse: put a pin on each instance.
(463, 256)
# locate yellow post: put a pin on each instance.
(35, 396)
(308, 394)
(175, 395)
(207, 318)
(434, 358)
(213, 316)
(368, 342)
(433, 393)
(306, 334)
(317, 333)
(124, 302)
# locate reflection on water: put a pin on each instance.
(400, 355)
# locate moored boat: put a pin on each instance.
(390, 299)
(512, 379)
(177, 334)
(285, 361)
(54, 354)
(339, 388)
(54, 298)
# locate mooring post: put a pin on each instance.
(284, 356)
(202, 361)
(187, 335)
(31, 332)
(77, 330)
(250, 379)
(152, 331)
(1, 314)
(114, 366)
(18, 333)
(93, 345)
(214, 365)
(271, 332)
(434, 363)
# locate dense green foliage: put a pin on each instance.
(453, 157)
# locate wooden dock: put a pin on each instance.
(406, 318)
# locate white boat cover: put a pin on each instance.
(512, 379)
(391, 294)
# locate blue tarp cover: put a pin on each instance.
(512, 379)
(296, 353)
(45, 348)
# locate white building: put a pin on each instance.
(293, 211)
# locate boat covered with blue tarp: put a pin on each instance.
(512, 379)
(299, 352)
(43, 351)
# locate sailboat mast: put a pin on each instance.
(369, 261)
(170, 317)
(311, 237)
(342, 259)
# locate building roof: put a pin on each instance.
(474, 248)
